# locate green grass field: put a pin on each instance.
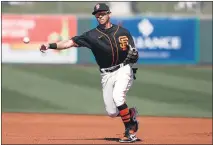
(158, 91)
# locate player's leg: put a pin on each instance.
(107, 90)
(123, 82)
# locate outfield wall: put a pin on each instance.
(160, 40)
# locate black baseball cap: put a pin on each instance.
(100, 7)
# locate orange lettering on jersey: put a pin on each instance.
(123, 40)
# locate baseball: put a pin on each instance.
(26, 39)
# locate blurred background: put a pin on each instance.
(174, 40)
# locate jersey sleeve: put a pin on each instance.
(81, 40)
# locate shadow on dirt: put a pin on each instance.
(106, 139)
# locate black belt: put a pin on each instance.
(111, 69)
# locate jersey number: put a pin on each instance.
(123, 40)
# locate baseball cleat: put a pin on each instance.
(133, 115)
(129, 137)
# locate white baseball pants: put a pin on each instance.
(115, 86)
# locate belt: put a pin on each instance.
(112, 69)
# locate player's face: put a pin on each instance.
(102, 17)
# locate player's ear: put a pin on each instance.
(110, 14)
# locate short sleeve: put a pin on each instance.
(131, 41)
(82, 40)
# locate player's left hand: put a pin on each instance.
(132, 56)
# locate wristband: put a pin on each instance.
(53, 46)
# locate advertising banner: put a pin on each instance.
(163, 40)
(40, 29)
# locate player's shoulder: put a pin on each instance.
(122, 29)
(90, 32)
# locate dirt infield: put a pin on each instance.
(20, 128)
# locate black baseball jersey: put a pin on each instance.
(109, 46)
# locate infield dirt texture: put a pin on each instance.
(19, 128)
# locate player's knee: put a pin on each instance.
(119, 97)
(119, 100)
(113, 114)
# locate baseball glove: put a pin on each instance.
(132, 56)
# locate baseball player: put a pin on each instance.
(115, 54)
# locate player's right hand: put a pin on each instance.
(44, 48)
